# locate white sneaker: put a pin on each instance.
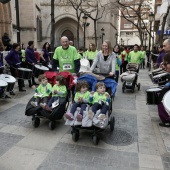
(102, 116)
(90, 114)
(35, 104)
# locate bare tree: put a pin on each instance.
(163, 24)
(96, 9)
(77, 5)
(52, 25)
(136, 13)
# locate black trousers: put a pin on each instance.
(30, 66)
(14, 74)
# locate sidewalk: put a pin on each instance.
(137, 143)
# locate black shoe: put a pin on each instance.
(22, 90)
(12, 93)
(164, 124)
(30, 85)
(7, 97)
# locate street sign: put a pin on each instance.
(167, 32)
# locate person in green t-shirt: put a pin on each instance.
(135, 56)
(81, 100)
(142, 50)
(91, 53)
(100, 100)
(59, 90)
(42, 92)
(66, 57)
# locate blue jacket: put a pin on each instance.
(92, 82)
(1, 60)
(90, 79)
(110, 83)
(30, 55)
(13, 58)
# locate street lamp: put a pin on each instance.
(103, 34)
(151, 19)
(121, 41)
(143, 32)
(116, 35)
(84, 24)
(145, 39)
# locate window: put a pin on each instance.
(129, 34)
(127, 25)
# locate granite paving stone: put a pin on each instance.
(7, 141)
(99, 158)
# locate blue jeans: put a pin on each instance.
(96, 106)
(75, 105)
(53, 99)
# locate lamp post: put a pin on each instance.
(103, 34)
(116, 35)
(143, 33)
(84, 24)
(145, 39)
(151, 18)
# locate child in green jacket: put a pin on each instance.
(100, 100)
(80, 100)
(42, 92)
(59, 90)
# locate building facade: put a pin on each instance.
(34, 22)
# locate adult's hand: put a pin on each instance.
(111, 73)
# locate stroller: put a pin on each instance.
(59, 110)
(129, 78)
(90, 124)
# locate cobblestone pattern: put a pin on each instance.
(75, 157)
(15, 116)
(124, 102)
(7, 141)
(127, 121)
(166, 161)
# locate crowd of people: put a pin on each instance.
(108, 60)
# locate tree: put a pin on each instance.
(136, 13)
(77, 5)
(163, 24)
(96, 9)
(52, 25)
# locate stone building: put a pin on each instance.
(34, 22)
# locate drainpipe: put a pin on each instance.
(17, 21)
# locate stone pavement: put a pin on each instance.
(137, 143)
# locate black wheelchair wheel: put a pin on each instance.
(36, 122)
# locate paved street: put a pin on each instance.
(137, 143)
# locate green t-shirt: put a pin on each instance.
(143, 54)
(44, 90)
(85, 96)
(99, 97)
(91, 54)
(135, 57)
(66, 58)
(117, 65)
(23, 55)
(61, 91)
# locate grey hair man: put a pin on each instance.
(166, 45)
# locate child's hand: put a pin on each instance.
(55, 91)
(33, 87)
(92, 92)
(107, 95)
(80, 99)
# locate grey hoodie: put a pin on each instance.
(105, 66)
